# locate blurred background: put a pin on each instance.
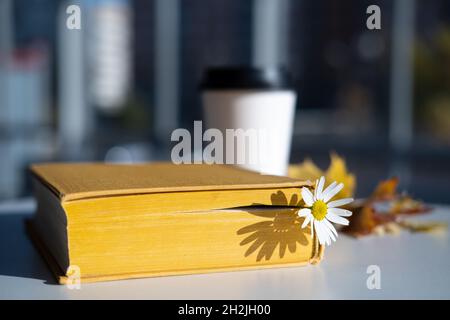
(115, 90)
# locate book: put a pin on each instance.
(127, 221)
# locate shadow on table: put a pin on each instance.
(18, 257)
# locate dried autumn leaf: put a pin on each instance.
(388, 228)
(407, 205)
(362, 222)
(380, 211)
(365, 219)
(386, 189)
(423, 226)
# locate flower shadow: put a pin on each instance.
(281, 230)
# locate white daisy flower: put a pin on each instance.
(320, 213)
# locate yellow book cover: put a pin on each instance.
(126, 221)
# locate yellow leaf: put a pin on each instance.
(337, 171)
(306, 170)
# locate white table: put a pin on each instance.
(412, 266)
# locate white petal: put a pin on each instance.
(340, 202)
(318, 232)
(319, 188)
(331, 229)
(330, 234)
(327, 189)
(312, 228)
(336, 219)
(304, 212)
(340, 212)
(306, 221)
(307, 197)
(321, 233)
(326, 232)
(330, 193)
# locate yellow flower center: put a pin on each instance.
(319, 210)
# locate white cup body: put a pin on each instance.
(267, 113)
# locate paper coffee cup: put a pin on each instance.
(254, 108)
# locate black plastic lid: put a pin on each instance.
(226, 78)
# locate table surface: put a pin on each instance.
(411, 266)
